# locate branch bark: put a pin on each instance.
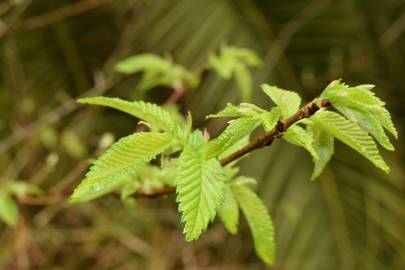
(267, 139)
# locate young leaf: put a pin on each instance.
(235, 61)
(8, 209)
(288, 101)
(200, 187)
(324, 147)
(234, 132)
(299, 136)
(244, 109)
(360, 98)
(142, 62)
(123, 158)
(244, 81)
(259, 222)
(351, 134)
(20, 188)
(229, 211)
(368, 122)
(270, 119)
(384, 117)
(148, 112)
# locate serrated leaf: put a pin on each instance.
(8, 209)
(259, 222)
(384, 117)
(299, 136)
(148, 112)
(122, 159)
(288, 101)
(359, 97)
(270, 119)
(368, 122)
(243, 109)
(200, 187)
(324, 147)
(229, 211)
(235, 131)
(351, 134)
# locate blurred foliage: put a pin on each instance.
(54, 51)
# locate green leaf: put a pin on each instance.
(270, 119)
(22, 188)
(122, 159)
(157, 71)
(299, 136)
(243, 109)
(361, 98)
(288, 101)
(8, 209)
(324, 147)
(230, 57)
(259, 222)
(368, 122)
(148, 112)
(384, 117)
(142, 62)
(200, 187)
(351, 134)
(235, 131)
(229, 211)
(244, 82)
(358, 97)
(129, 188)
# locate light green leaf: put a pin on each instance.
(148, 112)
(384, 117)
(235, 131)
(122, 159)
(368, 122)
(299, 136)
(288, 101)
(244, 82)
(360, 98)
(229, 212)
(8, 209)
(142, 62)
(259, 222)
(243, 109)
(129, 188)
(324, 147)
(22, 188)
(200, 187)
(235, 61)
(351, 134)
(270, 119)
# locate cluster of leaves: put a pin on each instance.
(158, 71)
(8, 206)
(204, 188)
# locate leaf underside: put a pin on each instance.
(351, 134)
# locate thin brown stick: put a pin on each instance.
(265, 140)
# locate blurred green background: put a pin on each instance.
(54, 51)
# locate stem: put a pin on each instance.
(267, 139)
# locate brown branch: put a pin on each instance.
(267, 139)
